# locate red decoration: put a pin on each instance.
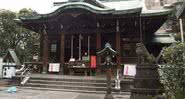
(93, 61)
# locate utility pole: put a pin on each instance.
(181, 30)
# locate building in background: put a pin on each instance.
(172, 25)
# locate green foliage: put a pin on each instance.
(8, 30)
(26, 13)
(17, 37)
(172, 71)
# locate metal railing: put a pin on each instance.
(24, 73)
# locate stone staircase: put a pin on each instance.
(75, 84)
(4, 82)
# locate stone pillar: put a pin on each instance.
(62, 40)
(45, 53)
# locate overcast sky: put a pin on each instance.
(16, 5)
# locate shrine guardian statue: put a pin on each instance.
(144, 57)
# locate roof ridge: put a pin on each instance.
(92, 2)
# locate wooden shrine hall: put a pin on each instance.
(72, 32)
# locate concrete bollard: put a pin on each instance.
(1, 67)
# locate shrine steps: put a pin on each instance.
(76, 84)
(4, 82)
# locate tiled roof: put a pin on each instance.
(181, 12)
(103, 7)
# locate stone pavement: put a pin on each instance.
(41, 94)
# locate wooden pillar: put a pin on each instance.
(80, 47)
(118, 46)
(41, 48)
(118, 49)
(98, 46)
(72, 37)
(142, 30)
(98, 43)
(45, 53)
(88, 44)
(62, 39)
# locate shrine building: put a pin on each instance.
(72, 32)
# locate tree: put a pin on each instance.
(173, 71)
(8, 31)
(30, 39)
(16, 37)
(26, 12)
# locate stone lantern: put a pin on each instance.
(107, 53)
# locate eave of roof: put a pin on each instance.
(72, 5)
(13, 55)
(113, 7)
(181, 12)
(108, 9)
(146, 13)
(164, 39)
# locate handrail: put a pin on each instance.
(24, 72)
(21, 69)
(26, 78)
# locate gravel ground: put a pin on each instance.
(41, 94)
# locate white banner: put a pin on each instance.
(54, 67)
(129, 70)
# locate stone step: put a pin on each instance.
(79, 91)
(125, 81)
(75, 83)
(4, 82)
(73, 87)
(72, 79)
(68, 83)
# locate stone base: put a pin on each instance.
(141, 96)
(44, 70)
(144, 96)
(143, 93)
(147, 91)
(108, 96)
(146, 82)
